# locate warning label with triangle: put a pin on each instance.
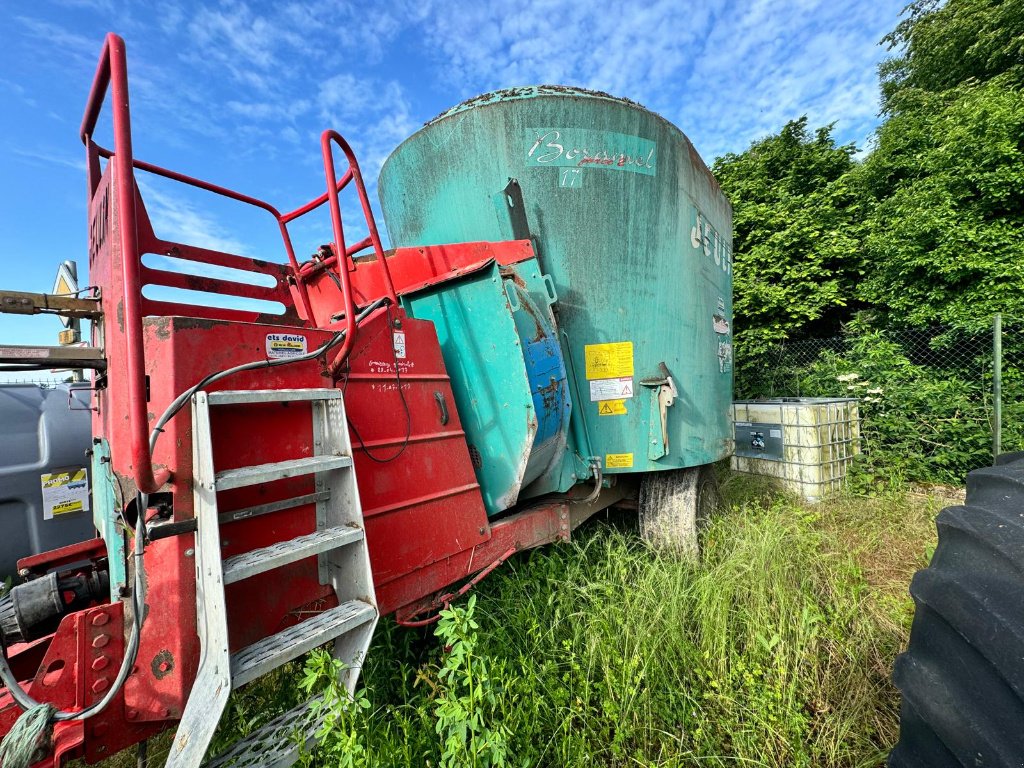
(611, 389)
(611, 408)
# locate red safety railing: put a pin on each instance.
(112, 75)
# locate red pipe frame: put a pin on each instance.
(112, 73)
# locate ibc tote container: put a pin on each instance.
(806, 442)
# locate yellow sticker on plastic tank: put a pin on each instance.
(609, 361)
(618, 460)
(611, 408)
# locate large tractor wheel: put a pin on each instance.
(962, 676)
(674, 506)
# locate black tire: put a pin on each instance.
(962, 675)
(675, 505)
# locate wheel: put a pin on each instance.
(675, 504)
(962, 675)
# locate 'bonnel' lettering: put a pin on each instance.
(590, 149)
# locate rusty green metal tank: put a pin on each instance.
(636, 237)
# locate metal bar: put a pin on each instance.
(112, 71)
(169, 308)
(339, 247)
(272, 652)
(65, 357)
(364, 200)
(21, 303)
(312, 205)
(273, 506)
(997, 386)
(268, 473)
(366, 242)
(212, 285)
(236, 396)
(265, 559)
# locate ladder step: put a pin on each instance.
(278, 744)
(237, 396)
(267, 473)
(270, 653)
(290, 551)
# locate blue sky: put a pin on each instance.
(238, 92)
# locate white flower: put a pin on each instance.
(872, 399)
(875, 391)
(851, 386)
(848, 377)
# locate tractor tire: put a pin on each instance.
(675, 505)
(962, 675)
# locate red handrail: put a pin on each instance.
(112, 71)
(341, 253)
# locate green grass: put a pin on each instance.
(774, 650)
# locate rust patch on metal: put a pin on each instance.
(511, 274)
(201, 323)
(162, 664)
(520, 92)
(549, 396)
(161, 327)
(531, 310)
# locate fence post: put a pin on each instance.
(997, 386)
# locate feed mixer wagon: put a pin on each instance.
(549, 336)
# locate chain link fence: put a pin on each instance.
(935, 402)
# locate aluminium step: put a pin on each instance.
(240, 396)
(282, 553)
(278, 744)
(272, 652)
(278, 470)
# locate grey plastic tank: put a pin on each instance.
(46, 432)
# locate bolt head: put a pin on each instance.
(100, 641)
(100, 685)
(100, 663)
(99, 619)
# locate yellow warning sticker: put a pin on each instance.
(609, 361)
(65, 492)
(611, 408)
(618, 460)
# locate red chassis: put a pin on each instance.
(426, 530)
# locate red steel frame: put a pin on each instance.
(112, 73)
(191, 341)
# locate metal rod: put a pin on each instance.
(997, 386)
(112, 71)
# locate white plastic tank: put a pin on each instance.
(808, 443)
(44, 484)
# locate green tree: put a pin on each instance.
(945, 239)
(944, 45)
(797, 208)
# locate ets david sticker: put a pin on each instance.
(65, 492)
(399, 344)
(282, 345)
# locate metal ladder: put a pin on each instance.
(344, 562)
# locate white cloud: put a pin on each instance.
(179, 220)
(42, 157)
(727, 73)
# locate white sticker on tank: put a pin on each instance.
(64, 493)
(611, 389)
(281, 345)
(399, 337)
